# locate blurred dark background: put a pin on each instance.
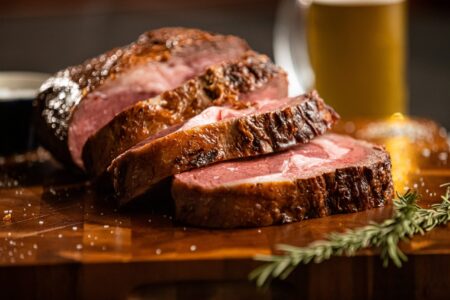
(47, 35)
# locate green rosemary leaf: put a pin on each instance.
(261, 279)
(287, 248)
(408, 220)
(287, 271)
(282, 265)
(257, 272)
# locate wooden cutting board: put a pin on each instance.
(59, 238)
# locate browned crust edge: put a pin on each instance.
(227, 83)
(346, 190)
(135, 171)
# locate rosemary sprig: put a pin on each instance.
(408, 219)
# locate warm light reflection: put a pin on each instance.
(398, 116)
(401, 148)
(403, 160)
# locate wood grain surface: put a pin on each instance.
(62, 238)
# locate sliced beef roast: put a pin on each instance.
(218, 134)
(231, 83)
(331, 174)
(76, 102)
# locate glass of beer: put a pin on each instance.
(351, 51)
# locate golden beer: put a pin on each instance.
(357, 51)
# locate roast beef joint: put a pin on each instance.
(211, 117)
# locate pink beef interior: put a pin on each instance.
(141, 82)
(276, 88)
(323, 154)
(220, 113)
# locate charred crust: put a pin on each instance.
(195, 157)
(271, 131)
(280, 129)
(211, 93)
(203, 158)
